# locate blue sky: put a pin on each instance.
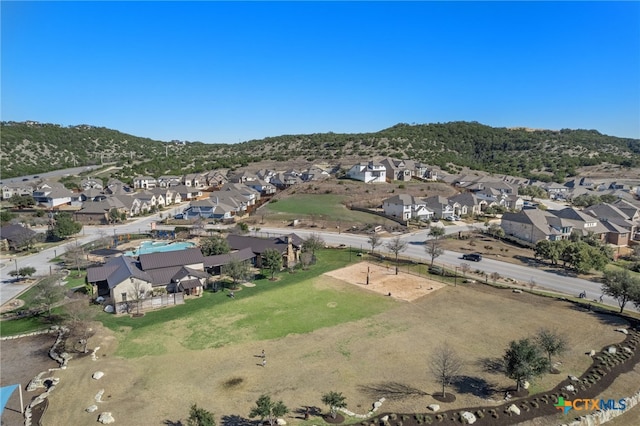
(221, 72)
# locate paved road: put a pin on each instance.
(543, 277)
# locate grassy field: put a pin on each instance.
(320, 207)
(256, 313)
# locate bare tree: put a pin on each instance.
(396, 246)
(138, 293)
(79, 315)
(374, 241)
(465, 267)
(444, 365)
(432, 246)
(495, 277)
(305, 259)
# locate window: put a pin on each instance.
(124, 297)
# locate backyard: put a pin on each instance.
(320, 333)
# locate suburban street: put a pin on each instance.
(543, 277)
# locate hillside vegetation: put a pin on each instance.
(29, 148)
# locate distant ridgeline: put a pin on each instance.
(32, 148)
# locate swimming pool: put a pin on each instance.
(158, 246)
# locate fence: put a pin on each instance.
(155, 302)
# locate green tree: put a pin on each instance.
(272, 261)
(619, 284)
(495, 230)
(396, 246)
(49, 292)
(313, 243)
(523, 361)
(432, 245)
(21, 273)
(213, 245)
(238, 270)
(6, 217)
(445, 365)
(22, 201)
(64, 226)
(334, 400)
(200, 417)
(267, 409)
(552, 342)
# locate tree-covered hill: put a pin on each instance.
(29, 148)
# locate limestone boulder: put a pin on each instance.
(106, 418)
(97, 375)
(513, 408)
(91, 408)
(468, 417)
(434, 407)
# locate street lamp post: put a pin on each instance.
(16, 262)
(455, 277)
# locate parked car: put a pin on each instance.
(476, 257)
(452, 218)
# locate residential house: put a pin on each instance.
(212, 208)
(371, 172)
(441, 206)
(215, 179)
(533, 225)
(97, 212)
(17, 237)
(52, 195)
(262, 186)
(243, 177)
(581, 222)
(289, 246)
(314, 174)
(188, 193)
(194, 180)
(467, 204)
(402, 170)
(284, 180)
(168, 194)
(555, 190)
(144, 182)
(213, 264)
(167, 181)
(9, 190)
(124, 279)
(407, 207)
(621, 227)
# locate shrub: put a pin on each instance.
(405, 417)
(480, 414)
(393, 416)
(427, 419)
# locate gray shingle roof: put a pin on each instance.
(171, 258)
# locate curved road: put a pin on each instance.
(543, 277)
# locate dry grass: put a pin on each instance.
(383, 355)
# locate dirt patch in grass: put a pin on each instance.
(384, 280)
(380, 356)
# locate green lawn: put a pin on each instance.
(321, 206)
(293, 304)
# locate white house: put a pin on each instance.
(371, 172)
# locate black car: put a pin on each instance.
(476, 257)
